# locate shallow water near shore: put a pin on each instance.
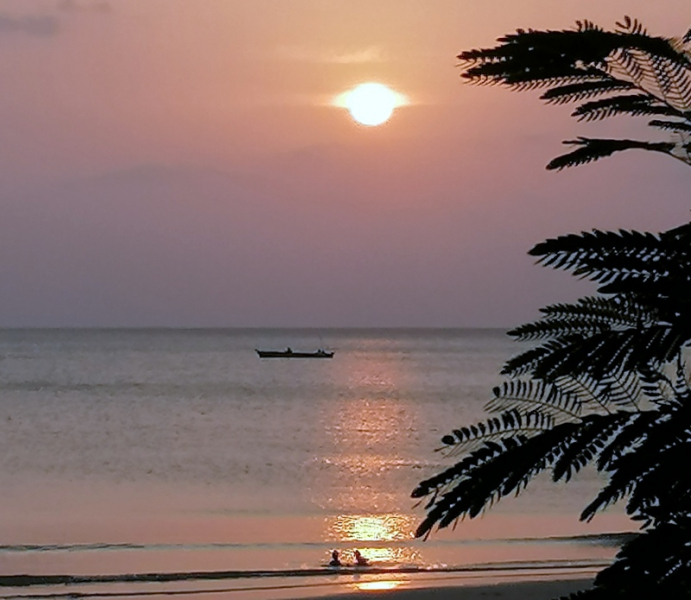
(180, 451)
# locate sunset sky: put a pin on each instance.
(182, 163)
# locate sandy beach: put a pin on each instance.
(522, 590)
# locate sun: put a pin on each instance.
(370, 104)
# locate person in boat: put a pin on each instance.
(335, 560)
(360, 560)
(289, 350)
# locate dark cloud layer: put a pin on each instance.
(42, 25)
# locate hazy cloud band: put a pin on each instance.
(43, 26)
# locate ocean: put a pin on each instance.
(146, 461)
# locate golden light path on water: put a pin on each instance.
(370, 440)
(368, 532)
(369, 460)
(375, 528)
(371, 533)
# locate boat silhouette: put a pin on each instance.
(290, 353)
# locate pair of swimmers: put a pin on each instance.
(360, 560)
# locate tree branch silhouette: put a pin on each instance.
(606, 383)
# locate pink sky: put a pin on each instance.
(178, 163)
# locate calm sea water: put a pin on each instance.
(135, 451)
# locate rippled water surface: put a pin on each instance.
(168, 450)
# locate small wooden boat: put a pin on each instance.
(289, 353)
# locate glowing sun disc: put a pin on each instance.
(371, 104)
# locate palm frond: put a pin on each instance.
(652, 564)
(655, 384)
(618, 312)
(584, 90)
(587, 388)
(441, 481)
(600, 387)
(664, 487)
(526, 362)
(667, 80)
(508, 424)
(625, 71)
(535, 395)
(569, 251)
(621, 387)
(553, 327)
(600, 354)
(512, 464)
(630, 26)
(605, 256)
(592, 149)
(632, 104)
(678, 126)
(632, 431)
(546, 57)
(647, 460)
(589, 440)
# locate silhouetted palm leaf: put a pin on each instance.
(654, 564)
(590, 440)
(617, 312)
(670, 125)
(590, 253)
(490, 473)
(510, 422)
(599, 354)
(631, 104)
(627, 437)
(655, 385)
(647, 320)
(442, 480)
(534, 395)
(646, 469)
(608, 383)
(585, 90)
(579, 65)
(592, 149)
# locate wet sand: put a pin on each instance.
(522, 590)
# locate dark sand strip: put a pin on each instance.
(522, 590)
(33, 580)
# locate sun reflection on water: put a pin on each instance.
(382, 585)
(366, 456)
(372, 528)
(373, 536)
